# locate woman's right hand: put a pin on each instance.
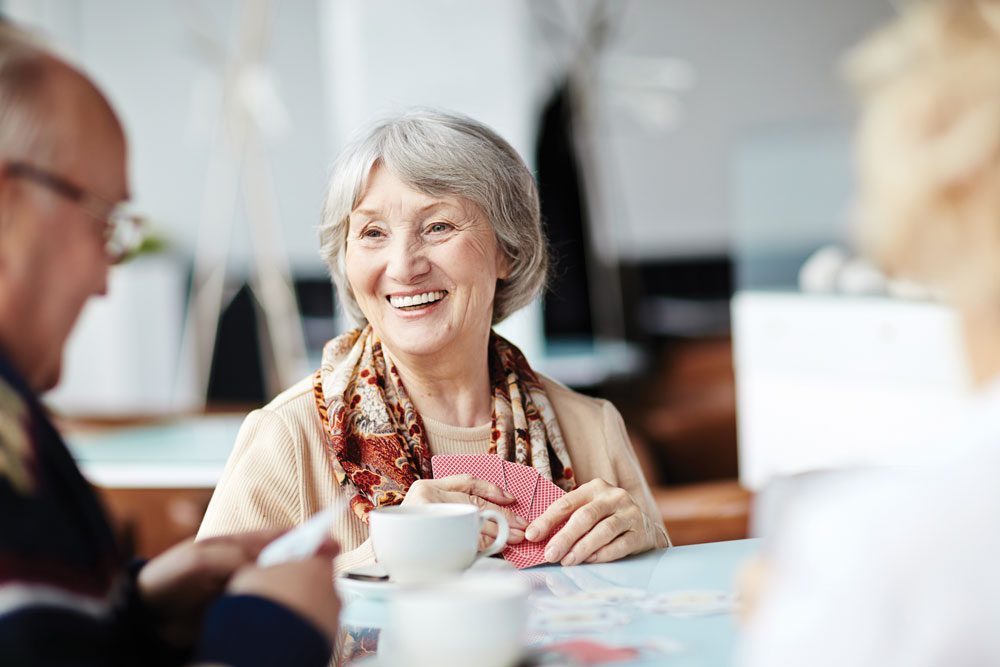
(471, 491)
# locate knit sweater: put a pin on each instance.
(67, 596)
(279, 472)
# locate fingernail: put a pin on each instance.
(552, 555)
(591, 559)
(532, 533)
(519, 522)
(515, 537)
(507, 495)
(569, 559)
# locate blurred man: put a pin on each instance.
(66, 596)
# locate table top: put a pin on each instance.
(681, 641)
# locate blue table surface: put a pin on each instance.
(702, 641)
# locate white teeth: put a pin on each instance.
(417, 299)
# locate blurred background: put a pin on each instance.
(695, 166)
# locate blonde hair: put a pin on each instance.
(929, 147)
(443, 153)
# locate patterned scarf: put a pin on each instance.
(376, 439)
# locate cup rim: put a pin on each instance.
(428, 511)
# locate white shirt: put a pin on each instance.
(890, 567)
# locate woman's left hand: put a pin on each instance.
(604, 524)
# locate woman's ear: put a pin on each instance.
(503, 265)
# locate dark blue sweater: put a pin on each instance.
(66, 595)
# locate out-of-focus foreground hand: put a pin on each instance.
(180, 584)
(303, 586)
(603, 523)
(751, 581)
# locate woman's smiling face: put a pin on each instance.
(423, 269)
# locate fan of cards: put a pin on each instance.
(533, 494)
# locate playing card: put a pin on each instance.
(486, 467)
(523, 483)
(303, 541)
(596, 598)
(589, 652)
(579, 620)
(690, 603)
(533, 494)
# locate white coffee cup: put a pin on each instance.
(476, 620)
(425, 543)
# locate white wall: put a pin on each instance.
(759, 67)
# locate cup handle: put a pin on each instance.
(503, 531)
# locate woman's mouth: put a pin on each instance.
(416, 301)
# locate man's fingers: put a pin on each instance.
(329, 549)
(250, 543)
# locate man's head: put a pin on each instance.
(58, 135)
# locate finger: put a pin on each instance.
(485, 490)
(251, 542)
(558, 512)
(490, 529)
(605, 532)
(621, 546)
(579, 524)
(514, 520)
(329, 549)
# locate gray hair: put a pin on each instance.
(25, 68)
(442, 153)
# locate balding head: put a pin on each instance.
(53, 257)
(45, 103)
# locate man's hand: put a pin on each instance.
(179, 584)
(304, 586)
(604, 524)
(471, 491)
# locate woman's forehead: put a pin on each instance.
(386, 192)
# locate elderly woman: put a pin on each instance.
(431, 232)
(899, 567)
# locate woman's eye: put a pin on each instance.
(438, 227)
(372, 233)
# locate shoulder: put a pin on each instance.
(291, 414)
(576, 410)
(294, 398)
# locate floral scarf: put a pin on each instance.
(376, 439)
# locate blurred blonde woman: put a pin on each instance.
(899, 568)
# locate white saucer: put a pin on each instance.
(382, 591)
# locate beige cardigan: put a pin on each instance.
(279, 473)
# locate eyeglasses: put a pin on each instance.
(124, 230)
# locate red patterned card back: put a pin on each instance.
(533, 495)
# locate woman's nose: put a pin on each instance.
(407, 261)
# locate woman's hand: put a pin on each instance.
(604, 524)
(472, 491)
